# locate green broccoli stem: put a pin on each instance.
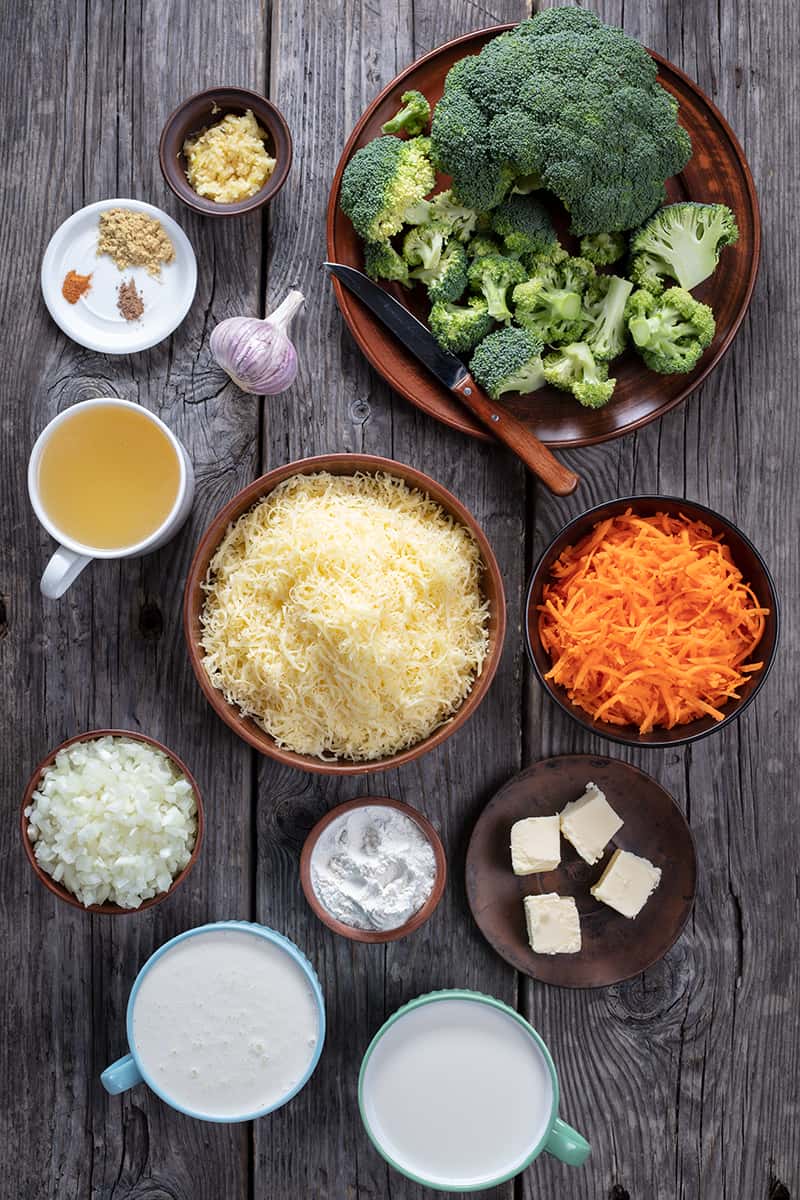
(496, 300)
(529, 379)
(563, 304)
(647, 330)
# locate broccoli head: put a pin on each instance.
(449, 280)
(681, 242)
(383, 182)
(483, 244)
(381, 261)
(459, 328)
(509, 360)
(604, 303)
(670, 331)
(459, 220)
(494, 274)
(570, 103)
(603, 249)
(412, 117)
(549, 304)
(422, 247)
(524, 225)
(460, 146)
(575, 369)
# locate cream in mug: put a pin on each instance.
(225, 1023)
(458, 1093)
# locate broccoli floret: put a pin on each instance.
(603, 249)
(524, 225)
(459, 328)
(483, 244)
(670, 331)
(449, 280)
(604, 306)
(681, 242)
(381, 261)
(572, 103)
(459, 220)
(460, 138)
(549, 304)
(383, 181)
(494, 274)
(423, 245)
(575, 369)
(509, 360)
(412, 117)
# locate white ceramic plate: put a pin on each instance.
(95, 321)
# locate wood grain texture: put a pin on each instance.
(685, 1079)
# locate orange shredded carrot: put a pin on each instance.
(648, 622)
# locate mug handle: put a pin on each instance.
(63, 569)
(567, 1145)
(121, 1075)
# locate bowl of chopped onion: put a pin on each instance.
(652, 620)
(344, 614)
(112, 821)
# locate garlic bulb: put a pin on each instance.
(258, 354)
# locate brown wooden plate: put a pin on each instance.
(614, 948)
(717, 171)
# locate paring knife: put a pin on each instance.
(450, 371)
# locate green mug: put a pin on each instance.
(459, 1093)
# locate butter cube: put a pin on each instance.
(589, 823)
(627, 883)
(535, 845)
(554, 926)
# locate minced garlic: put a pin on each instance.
(228, 161)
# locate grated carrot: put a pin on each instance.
(648, 622)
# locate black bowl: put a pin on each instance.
(747, 559)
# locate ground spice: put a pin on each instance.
(133, 239)
(129, 302)
(74, 286)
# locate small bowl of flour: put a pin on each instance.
(373, 869)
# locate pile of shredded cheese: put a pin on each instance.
(648, 622)
(228, 161)
(345, 615)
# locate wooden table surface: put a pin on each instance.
(685, 1079)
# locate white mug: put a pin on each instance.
(71, 557)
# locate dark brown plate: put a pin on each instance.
(614, 948)
(717, 171)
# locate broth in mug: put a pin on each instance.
(108, 477)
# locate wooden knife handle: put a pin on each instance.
(509, 429)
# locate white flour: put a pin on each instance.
(373, 868)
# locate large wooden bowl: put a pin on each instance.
(339, 464)
(58, 889)
(717, 171)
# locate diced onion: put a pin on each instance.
(113, 820)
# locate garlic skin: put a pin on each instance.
(258, 354)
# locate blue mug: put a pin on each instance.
(129, 1071)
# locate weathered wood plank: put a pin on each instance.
(111, 653)
(678, 1074)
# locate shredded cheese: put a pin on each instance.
(649, 622)
(345, 615)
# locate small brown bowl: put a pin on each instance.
(110, 910)
(374, 935)
(747, 559)
(339, 464)
(204, 109)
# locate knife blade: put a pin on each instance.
(415, 336)
(451, 372)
